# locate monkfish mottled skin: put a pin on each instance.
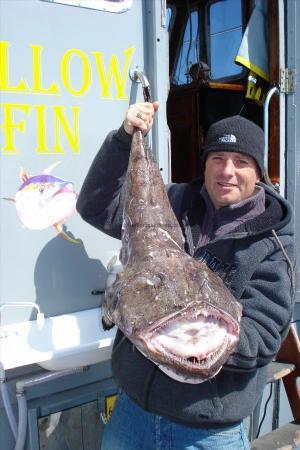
(174, 309)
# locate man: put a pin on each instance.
(242, 229)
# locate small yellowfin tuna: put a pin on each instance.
(45, 200)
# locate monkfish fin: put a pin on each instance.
(60, 230)
(107, 324)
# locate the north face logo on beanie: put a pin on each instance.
(227, 138)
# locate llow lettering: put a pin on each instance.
(66, 71)
(114, 73)
(105, 78)
(37, 73)
(5, 84)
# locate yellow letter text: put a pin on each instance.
(9, 126)
(113, 71)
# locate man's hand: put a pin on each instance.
(140, 115)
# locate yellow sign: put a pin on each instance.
(109, 405)
(103, 76)
(40, 119)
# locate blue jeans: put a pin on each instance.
(132, 428)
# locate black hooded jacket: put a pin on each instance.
(256, 261)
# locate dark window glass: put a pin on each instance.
(225, 36)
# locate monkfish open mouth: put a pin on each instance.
(191, 342)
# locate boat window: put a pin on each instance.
(189, 50)
(116, 6)
(225, 32)
(170, 18)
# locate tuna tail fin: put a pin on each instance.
(60, 230)
(9, 199)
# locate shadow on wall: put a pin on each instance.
(64, 277)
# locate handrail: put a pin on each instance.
(271, 92)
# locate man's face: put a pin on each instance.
(230, 177)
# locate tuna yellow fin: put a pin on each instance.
(60, 230)
(50, 168)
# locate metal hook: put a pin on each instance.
(137, 74)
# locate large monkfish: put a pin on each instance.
(173, 308)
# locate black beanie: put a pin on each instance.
(235, 134)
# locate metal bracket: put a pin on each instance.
(137, 74)
(287, 81)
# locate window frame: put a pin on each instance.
(172, 19)
(180, 46)
(229, 78)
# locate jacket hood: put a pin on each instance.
(278, 214)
